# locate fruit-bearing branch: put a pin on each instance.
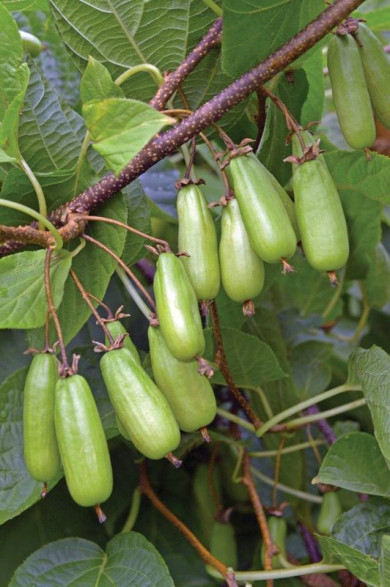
(168, 142)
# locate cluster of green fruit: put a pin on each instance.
(150, 416)
(262, 224)
(359, 73)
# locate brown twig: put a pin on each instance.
(86, 299)
(168, 142)
(260, 118)
(146, 295)
(174, 79)
(220, 359)
(259, 511)
(53, 313)
(209, 559)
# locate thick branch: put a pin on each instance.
(168, 143)
(174, 79)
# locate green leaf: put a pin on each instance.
(377, 20)
(314, 104)
(139, 218)
(18, 188)
(22, 290)
(310, 367)
(12, 69)
(19, 5)
(267, 25)
(18, 490)
(384, 563)
(377, 282)
(363, 187)
(355, 462)
(51, 134)
(124, 35)
(97, 84)
(121, 127)
(80, 562)
(356, 539)
(251, 361)
(372, 369)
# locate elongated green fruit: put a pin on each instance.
(198, 238)
(286, 201)
(376, 67)
(223, 544)
(31, 43)
(139, 405)
(330, 511)
(320, 215)
(116, 328)
(264, 215)
(82, 442)
(189, 394)
(177, 309)
(207, 495)
(350, 94)
(41, 452)
(242, 270)
(278, 531)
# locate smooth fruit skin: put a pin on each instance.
(319, 213)
(330, 511)
(350, 94)
(139, 405)
(242, 271)
(31, 43)
(278, 531)
(223, 544)
(82, 442)
(264, 215)
(116, 328)
(189, 394)
(198, 238)
(177, 309)
(376, 67)
(41, 452)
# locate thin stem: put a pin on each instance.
(153, 71)
(26, 210)
(286, 489)
(220, 359)
(133, 292)
(81, 157)
(305, 404)
(291, 123)
(277, 470)
(364, 316)
(336, 296)
(87, 218)
(47, 330)
(236, 419)
(298, 571)
(37, 188)
(208, 143)
(264, 400)
(287, 450)
(189, 173)
(327, 414)
(168, 142)
(259, 511)
(214, 7)
(134, 511)
(124, 266)
(146, 488)
(52, 310)
(86, 298)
